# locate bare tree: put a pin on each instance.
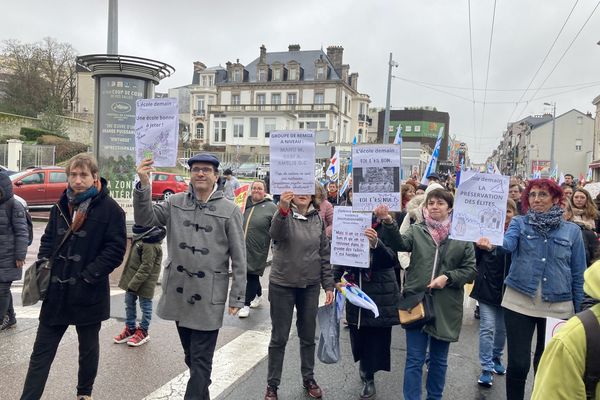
(37, 76)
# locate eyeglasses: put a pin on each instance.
(204, 170)
(539, 195)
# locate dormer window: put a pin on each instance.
(277, 74)
(293, 74)
(237, 75)
(262, 75)
(320, 75)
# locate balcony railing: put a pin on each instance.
(213, 109)
(199, 113)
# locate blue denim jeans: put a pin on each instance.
(416, 350)
(492, 335)
(130, 311)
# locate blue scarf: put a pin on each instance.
(75, 199)
(544, 222)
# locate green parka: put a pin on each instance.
(143, 268)
(257, 222)
(455, 258)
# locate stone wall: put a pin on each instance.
(78, 130)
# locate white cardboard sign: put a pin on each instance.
(292, 162)
(349, 245)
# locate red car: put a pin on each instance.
(41, 185)
(164, 184)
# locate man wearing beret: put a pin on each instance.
(204, 232)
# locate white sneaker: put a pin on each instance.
(256, 302)
(244, 312)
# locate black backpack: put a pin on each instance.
(11, 205)
(592, 353)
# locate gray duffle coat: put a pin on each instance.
(201, 239)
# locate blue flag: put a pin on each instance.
(434, 158)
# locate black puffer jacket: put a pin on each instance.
(379, 283)
(14, 237)
(91, 253)
(492, 268)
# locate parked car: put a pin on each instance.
(164, 184)
(40, 186)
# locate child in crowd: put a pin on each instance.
(139, 280)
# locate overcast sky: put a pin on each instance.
(428, 38)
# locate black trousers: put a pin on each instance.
(6, 301)
(253, 288)
(44, 350)
(519, 334)
(283, 300)
(199, 348)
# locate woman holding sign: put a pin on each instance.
(439, 266)
(545, 278)
(300, 265)
(370, 337)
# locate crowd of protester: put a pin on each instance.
(550, 240)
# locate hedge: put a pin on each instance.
(65, 149)
(33, 133)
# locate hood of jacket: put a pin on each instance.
(414, 207)
(6, 187)
(591, 283)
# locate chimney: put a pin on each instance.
(336, 56)
(199, 66)
(263, 55)
(354, 80)
(294, 47)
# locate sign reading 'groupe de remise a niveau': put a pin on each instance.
(376, 177)
(292, 162)
(116, 139)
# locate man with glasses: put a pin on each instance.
(204, 233)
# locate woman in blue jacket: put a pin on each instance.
(545, 278)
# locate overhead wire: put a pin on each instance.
(565, 52)
(543, 62)
(487, 73)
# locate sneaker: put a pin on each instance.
(8, 322)
(124, 336)
(498, 367)
(312, 388)
(486, 379)
(244, 312)
(256, 302)
(271, 393)
(139, 338)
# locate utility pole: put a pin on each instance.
(112, 45)
(552, 160)
(386, 123)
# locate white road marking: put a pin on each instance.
(230, 362)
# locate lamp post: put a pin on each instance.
(553, 105)
(386, 123)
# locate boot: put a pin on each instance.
(368, 389)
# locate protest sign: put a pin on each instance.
(376, 177)
(157, 131)
(349, 245)
(553, 325)
(292, 162)
(480, 207)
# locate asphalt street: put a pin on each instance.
(156, 370)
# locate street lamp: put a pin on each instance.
(553, 105)
(386, 123)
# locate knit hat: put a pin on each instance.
(433, 186)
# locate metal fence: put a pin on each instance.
(37, 155)
(228, 160)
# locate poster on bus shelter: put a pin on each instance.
(292, 162)
(480, 207)
(376, 177)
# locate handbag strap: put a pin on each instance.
(438, 257)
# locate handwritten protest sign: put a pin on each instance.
(292, 162)
(349, 245)
(376, 177)
(480, 207)
(157, 131)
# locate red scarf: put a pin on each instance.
(438, 230)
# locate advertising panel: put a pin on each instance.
(425, 129)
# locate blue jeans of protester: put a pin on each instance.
(131, 314)
(416, 350)
(492, 335)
